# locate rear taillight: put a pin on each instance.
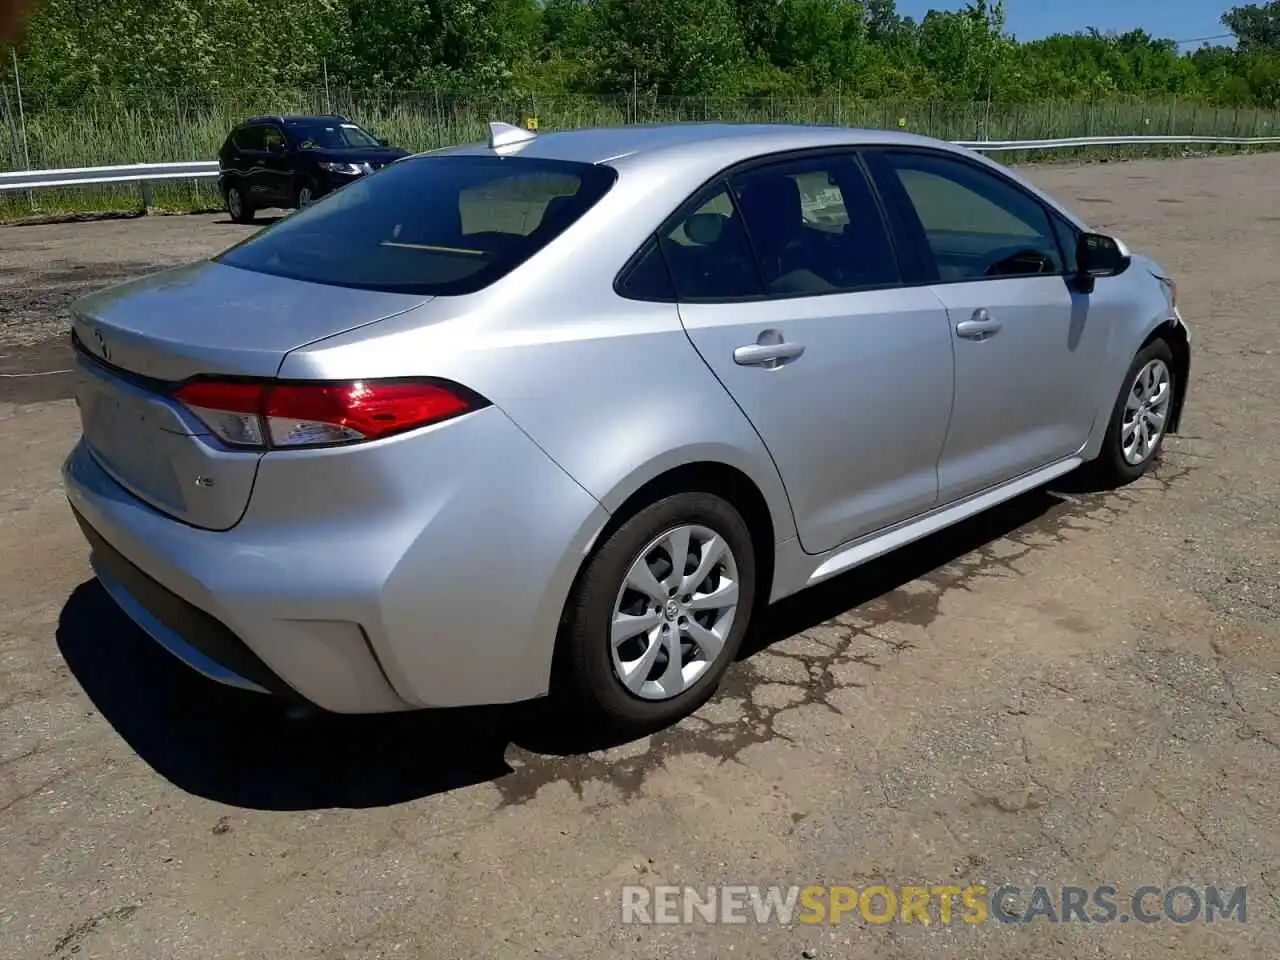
(291, 415)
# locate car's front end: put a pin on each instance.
(335, 169)
(1176, 331)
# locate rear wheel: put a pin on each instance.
(658, 614)
(238, 206)
(1135, 435)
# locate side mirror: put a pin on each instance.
(384, 142)
(1098, 255)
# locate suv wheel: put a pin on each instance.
(238, 206)
(659, 614)
(306, 194)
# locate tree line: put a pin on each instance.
(732, 48)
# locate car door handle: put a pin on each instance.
(980, 326)
(760, 354)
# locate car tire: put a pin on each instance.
(305, 193)
(238, 206)
(590, 667)
(1146, 400)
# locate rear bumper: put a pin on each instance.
(438, 582)
(201, 642)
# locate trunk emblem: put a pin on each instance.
(203, 481)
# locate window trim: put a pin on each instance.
(850, 153)
(926, 252)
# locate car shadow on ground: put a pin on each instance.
(258, 221)
(246, 750)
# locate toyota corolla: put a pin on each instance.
(561, 414)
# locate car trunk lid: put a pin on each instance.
(136, 341)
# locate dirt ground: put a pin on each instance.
(1076, 689)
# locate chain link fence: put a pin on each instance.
(110, 127)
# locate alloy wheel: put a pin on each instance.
(1146, 411)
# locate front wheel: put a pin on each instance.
(658, 614)
(305, 195)
(1136, 432)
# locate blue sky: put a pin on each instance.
(1031, 19)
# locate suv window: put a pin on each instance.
(978, 225)
(708, 254)
(272, 138)
(248, 138)
(434, 226)
(335, 135)
(815, 227)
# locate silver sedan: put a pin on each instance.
(562, 413)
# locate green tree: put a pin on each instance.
(1256, 26)
(666, 46)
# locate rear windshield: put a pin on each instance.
(432, 226)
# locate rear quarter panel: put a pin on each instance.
(616, 396)
(611, 389)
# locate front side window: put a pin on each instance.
(977, 225)
(330, 136)
(1068, 238)
(815, 227)
(434, 226)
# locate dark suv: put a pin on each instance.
(291, 161)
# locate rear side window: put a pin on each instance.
(708, 253)
(648, 278)
(434, 226)
(248, 138)
(815, 227)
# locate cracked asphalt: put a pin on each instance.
(1074, 689)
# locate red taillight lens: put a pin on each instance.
(246, 414)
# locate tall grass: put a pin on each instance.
(112, 127)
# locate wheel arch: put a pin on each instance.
(1121, 353)
(1175, 335)
(716, 477)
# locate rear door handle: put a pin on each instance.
(979, 327)
(766, 354)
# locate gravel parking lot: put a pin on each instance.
(1076, 689)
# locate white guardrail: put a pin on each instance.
(148, 173)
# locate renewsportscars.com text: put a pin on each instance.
(940, 904)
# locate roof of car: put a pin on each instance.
(624, 143)
(296, 118)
